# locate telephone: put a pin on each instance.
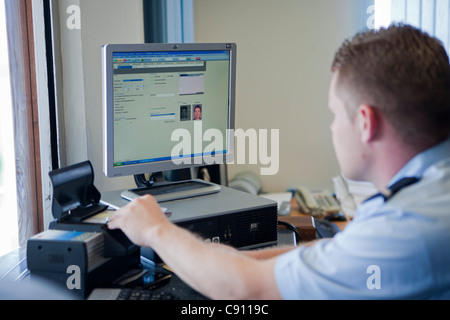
(316, 203)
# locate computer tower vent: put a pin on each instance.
(255, 228)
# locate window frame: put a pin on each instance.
(168, 21)
(20, 34)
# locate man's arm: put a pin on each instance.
(264, 254)
(216, 271)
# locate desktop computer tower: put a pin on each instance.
(231, 217)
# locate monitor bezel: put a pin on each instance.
(108, 113)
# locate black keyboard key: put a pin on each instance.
(130, 294)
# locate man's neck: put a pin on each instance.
(390, 158)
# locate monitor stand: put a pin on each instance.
(162, 190)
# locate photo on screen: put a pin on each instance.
(185, 113)
(198, 112)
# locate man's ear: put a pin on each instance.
(368, 123)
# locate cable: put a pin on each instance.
(292, 228)
(142, 182)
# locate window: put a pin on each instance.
(169, 21)
(432, 16)
(25, 118)
(382, 13)
(8, 198)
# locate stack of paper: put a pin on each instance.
(93, 243)
(95, 248)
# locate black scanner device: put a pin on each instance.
(76, 199)
(101, 255)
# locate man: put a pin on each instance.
(198, 112)
(390, 96)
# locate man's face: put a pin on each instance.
(345, 134)
(197, 113)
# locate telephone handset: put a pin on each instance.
(316, 202)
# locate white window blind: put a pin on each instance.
(431, 16)
(9, 232)
(180, 21)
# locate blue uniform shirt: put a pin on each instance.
(399, 249)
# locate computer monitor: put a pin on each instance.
(167, 106)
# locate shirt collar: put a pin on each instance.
(421, 162)
(416, 167)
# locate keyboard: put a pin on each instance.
(325, 228)
(130, 294)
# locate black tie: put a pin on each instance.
(396, 187)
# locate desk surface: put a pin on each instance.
(295, 212)
(13, 266)
(303, 222)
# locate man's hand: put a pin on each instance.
(217, 271)
(140, 220)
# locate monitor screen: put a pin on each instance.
(167, 106)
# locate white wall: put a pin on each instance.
(285, 51)
(102, 22)
(105, 21)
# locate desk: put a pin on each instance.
(303, 222)
(295, 212)
(13, 268)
